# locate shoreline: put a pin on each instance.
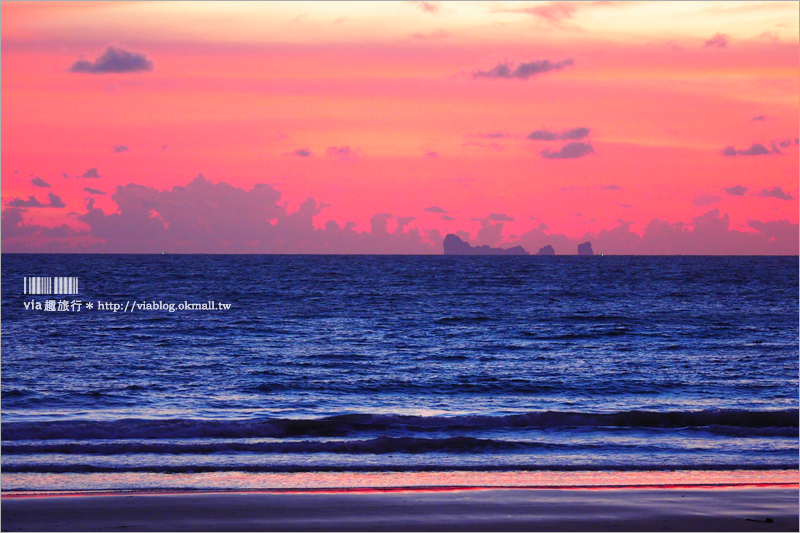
(357, 490)
(695, 508)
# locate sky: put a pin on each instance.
(381, 127)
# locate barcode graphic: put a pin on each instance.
(50, 285)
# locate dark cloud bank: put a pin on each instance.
(755, 149)
(523, 71)
(572, 150)
(574, 134)
(206, 217)
(736, 190)
(759, 149)
(91, 173)
(53, 200)
(708, 234)
(114, 60)
(775, 192)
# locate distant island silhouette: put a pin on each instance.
(546, 250)
(453, 245)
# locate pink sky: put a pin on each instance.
(643, 127)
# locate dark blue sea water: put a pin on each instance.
(394, 364)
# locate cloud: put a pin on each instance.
(708, 234)
(786, 144)
(610, 187)
(554, 12)
(30, 202)
(91, 173)
(711, 234)
(564, 135)
(39, 182)
(53, 200)
(575, 134)
(379, 223)
(493, 135)
(755, 149)
(342, 152)
(706, 200)
(206, 217)
(446, 217)
(491, 230)
(13, 224)
(537, 238)
(302, 152)
(736, 190)
(427, 7)
(402, 222)
(628, 206)
(758, 118)
(120, 148)
(524, 70)
(572, 150)
(434, 209)
(93, 191)
(490, 234)
(431, 153)
(719, 40)
(500, 217)
(114, 60)
(777, 232)
(775, 192)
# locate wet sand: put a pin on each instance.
(652, 509)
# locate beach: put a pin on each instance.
(650, 509)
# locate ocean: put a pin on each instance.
(220, 372)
